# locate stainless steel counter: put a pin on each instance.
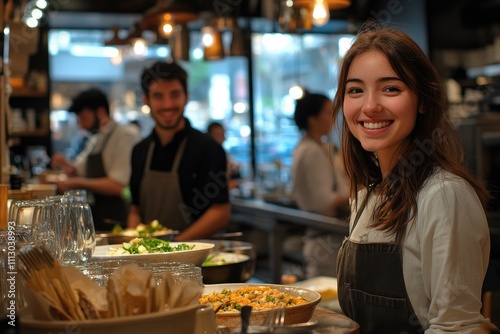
(274, 220)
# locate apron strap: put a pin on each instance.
(149, 156)
(177, 159)
(105, 140)
(178, 155)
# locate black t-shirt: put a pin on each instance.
(202, 169)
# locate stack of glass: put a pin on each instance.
(179, 271)
(99, 271)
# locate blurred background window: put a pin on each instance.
(218, 90)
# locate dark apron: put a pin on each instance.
(104, 206)
(371, 287)
(161, 195)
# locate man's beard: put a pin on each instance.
(170, 126)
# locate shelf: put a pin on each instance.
(28, 92)
(30, 133)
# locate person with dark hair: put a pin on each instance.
(178, 173)
(218, 133)
(418, 248)
(103, 167)
(319, 184)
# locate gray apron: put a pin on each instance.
(104, 206)
(372, 289)
(161, 196)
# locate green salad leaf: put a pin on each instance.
(152, 245)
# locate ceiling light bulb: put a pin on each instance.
(118, 58)
(42, 4)
(207, 36)
(32, 22)
(166, 26)
(320, 13)
(139, 46)
(37, 13)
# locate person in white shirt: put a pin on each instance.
(418, 249)
(104, 166)
(319, 183)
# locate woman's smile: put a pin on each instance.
(380, 109)
(375, 125)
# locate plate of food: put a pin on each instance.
(148, 250)
(299, 303)
(119, 234)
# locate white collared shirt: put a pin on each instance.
(445, 253)
(116, 153)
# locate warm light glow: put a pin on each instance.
(320, 13)
(117, 58)
(139, 46)
(207, 36)
(145, 109)
(166, 26)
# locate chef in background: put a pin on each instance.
(103, 167)
(179, 174)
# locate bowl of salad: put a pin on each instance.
(149, 250)
(120, 235)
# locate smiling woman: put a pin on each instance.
(379, 107)
(416, 234)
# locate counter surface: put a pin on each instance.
(274, 219)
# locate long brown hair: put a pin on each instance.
(433, 142)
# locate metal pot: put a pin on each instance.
(239, 272)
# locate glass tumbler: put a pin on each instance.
(77, 226)
(46, 229)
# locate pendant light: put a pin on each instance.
(138, 44)
(238, 41)
(165, 15)
(211, 36)
(179, 43)
(320, 9)
(320, 14)
(213, 49)
(166, 25)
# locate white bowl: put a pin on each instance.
(179, 320)
(196, 255)
(293, 314)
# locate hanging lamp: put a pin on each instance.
(320, 9)
(166, 14)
